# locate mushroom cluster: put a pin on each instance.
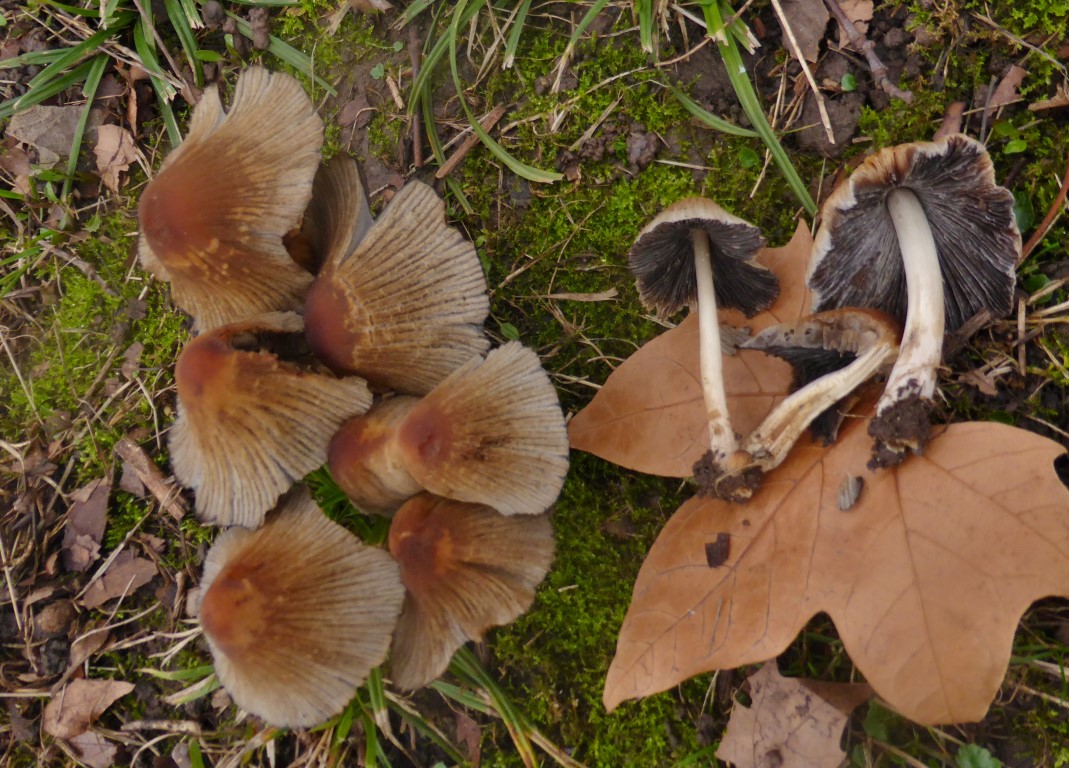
(916, 242)
(323, 332)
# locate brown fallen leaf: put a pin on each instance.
(1058, 101)
(649, 415)
(125, 575)
(807, 19)
(86, 520)
(94, 750)
(860, 13)
(72, 710)
(49, 130)
(1006, 90)
(925, 577)
(789, 724)
(115, 150)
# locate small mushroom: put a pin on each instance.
(251, 424)
(868, 339)
(674, 259)
(213, 220)
(921, 231)
(491, 433)
(297, 613)
(405, 308)
(465, 568)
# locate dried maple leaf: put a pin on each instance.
(649, 415)
(790, 724)
(925, 576)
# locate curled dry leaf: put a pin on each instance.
(86, 520)
(71, 711)
(790, 724)
(925, 576)
(126, 574)
(114, 151)
(650, 415)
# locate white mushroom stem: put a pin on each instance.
(770, 443)
(914, 373)
(722, 440)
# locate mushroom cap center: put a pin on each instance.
(235, 610)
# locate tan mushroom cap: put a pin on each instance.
(406, 307)
(466, 568)
(856, 259)
(212, 221)
(662, 259)
(249, 424)
(338, 215)
(297, 613)
(363, 460)
(491, 433)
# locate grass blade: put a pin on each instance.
(513, 41)
(376, 694)
(751, 105)
(421, 724)
(286, 53)
(89, 90)
(717, 123)
(519, 168)
(183, 27)
(569, 49)
(466, 667)
(414, 10)
(645, 24)
(69, 57)
(60, 84)
(420, 86)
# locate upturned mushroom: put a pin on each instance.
(833, 353)
(405, 307)
(250, 423)
(466, 568)
(213, 220)
(674, 259)
(921, 231)
(490, 433)
(297, 613)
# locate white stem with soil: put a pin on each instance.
(914, 373)
(773, 439)
(721, 436)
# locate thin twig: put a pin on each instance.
(469, 143)
(862, 44)
(1048, 221)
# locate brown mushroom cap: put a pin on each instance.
(338, 215)
(363, 463)
(856, 259)
(662, 259)
(297, 613)
(466, 568)
(249, 424)
(492, 433)
(212, 221)
(406, 307)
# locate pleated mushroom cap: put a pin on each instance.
(465, 568)
(364, 463)
(662, 259)
(297, 613)
(857, 261)
(491, 433)
(212, 221)
(406, 307)
(338, 215)
(251, 424)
